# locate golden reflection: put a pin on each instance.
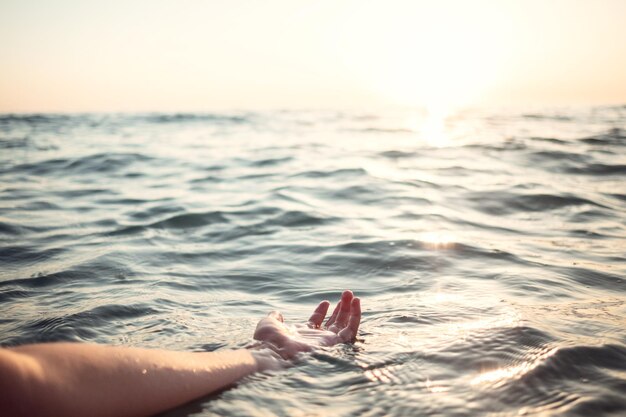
(439, 239)
(442, 297)
(433, 129)
(434, 387)
(500, 376)
(383, 375)
(506, 319)
(431, 125)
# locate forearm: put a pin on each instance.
(80, 379)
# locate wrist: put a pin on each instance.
(267, 360)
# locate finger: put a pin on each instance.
(318, 315)
(344, 312)
(349, 333)
(276, 315)
(333, 316)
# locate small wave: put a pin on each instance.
(15, 143)
(58, 271)
(270, 161)
(194, 117)
(573, 163)
(206, 179)
(398, 154)
(380, 257)
(597, 169)
(345, 172)
(82, 192)
(12, 294)
(180, 221)
(604, 356)
(468, 251)
(358, 193)
(557, 117)
(483, 226)
(256, 176)
(558, 156)
(122, 201)
(126, 231)
(17, 254)
(42, 280)
(621, 197)
(43, 167)
(7, 228)
(33, 118)
(510, 144)
(96, 163)
(594, 278)
(499, 203)
(614, 137)
(83, 325)
(607, 404)
(112, 312)
(191, 220)
(541, 383)
(40, 205)
(549, 140)
(106, 162)
(240, 232)
(297, 219)
(156, 211)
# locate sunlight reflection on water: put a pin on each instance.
(498, 377)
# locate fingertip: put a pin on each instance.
(318, 315)
(323, 306)
(276, 315)
(346, 299)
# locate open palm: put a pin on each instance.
(288, 341)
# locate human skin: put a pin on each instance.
(341, 327)
(77, 379)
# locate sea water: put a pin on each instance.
(487, 246)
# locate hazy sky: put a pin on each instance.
(81, 55)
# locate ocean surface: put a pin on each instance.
(488, 248)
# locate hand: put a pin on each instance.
(288, 341)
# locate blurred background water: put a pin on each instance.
(487, 247)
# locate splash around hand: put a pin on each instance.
(288, 341)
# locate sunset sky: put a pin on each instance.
(192, 55)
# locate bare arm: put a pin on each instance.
(75, 379)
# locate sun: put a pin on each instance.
(427, 54)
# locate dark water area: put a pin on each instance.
(488, 249)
